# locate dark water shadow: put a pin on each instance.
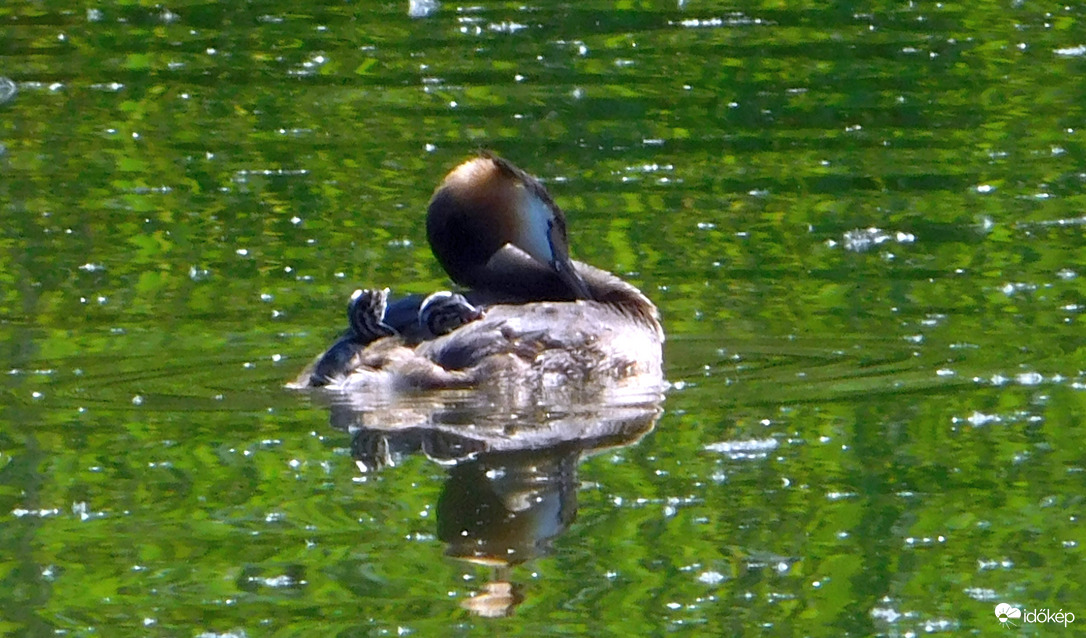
(511, 484)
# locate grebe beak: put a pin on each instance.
(572, 278)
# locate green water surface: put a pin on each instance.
(863, 225)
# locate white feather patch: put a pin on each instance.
(535, 228)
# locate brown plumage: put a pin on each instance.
(548, 320)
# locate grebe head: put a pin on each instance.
(445, 311)
(494, 227)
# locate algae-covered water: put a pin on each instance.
(863, 226)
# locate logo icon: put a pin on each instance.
(1005, 613)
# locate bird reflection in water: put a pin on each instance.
(539, 361)
(512, 481)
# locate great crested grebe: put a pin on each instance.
(529, 315)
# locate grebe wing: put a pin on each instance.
(577, 339)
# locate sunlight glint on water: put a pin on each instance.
(863, 229)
